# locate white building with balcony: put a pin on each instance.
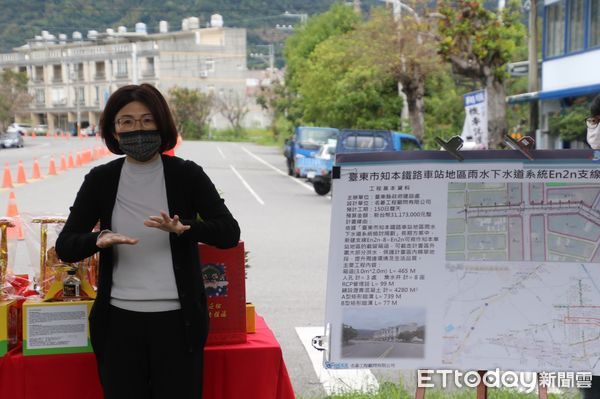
(70, 80)
(571, 60)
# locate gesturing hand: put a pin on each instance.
(165, 223)
(109, 239)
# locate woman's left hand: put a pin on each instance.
(165, 223)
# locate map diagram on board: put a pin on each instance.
(529, 252)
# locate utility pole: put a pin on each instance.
(397, 7)
(271, 58)
(77, 100)
(533, 68)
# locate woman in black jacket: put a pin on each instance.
(149, 322)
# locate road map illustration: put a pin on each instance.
(530, 252)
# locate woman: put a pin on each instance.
(149, 322)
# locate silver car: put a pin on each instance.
(11, 139)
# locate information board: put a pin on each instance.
(488, 263)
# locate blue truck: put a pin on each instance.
(303, 145)
(352, 140)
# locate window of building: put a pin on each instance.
(149, 67)
(100, 71)
(39, 74)
(58, 96)
(97, 95)
(576, 25)
(121, 67)
(78, 71)
(209, 65)
(594, 29)
(40, 96)
(57, 73)
(79, 95)
(555, 29)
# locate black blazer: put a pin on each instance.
(192, 196)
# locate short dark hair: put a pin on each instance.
(151, 98)
(595, 107)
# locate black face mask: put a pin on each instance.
(140, 145)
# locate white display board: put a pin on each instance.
(489, 263)
(56, 326)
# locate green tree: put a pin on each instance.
(234, 108)
(569, 124)
(444, 110)
(479, 43)
(340, 91)
(331, 83)
(338, 20)
(405, 50)
(14, 97)
(191, 110)
(348, 333)
(275, 100)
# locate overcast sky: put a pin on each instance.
(377, 318)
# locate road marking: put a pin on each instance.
(221, 152)
(386, 353)
(276, 169)
(260, 201)
(335, 381)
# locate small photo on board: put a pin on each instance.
(215, 280)
(383, 333)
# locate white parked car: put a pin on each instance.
(41, 130)
(22, 128)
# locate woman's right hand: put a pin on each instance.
(109, 239)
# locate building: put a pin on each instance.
(570, 65)
(391, 333)
(70, 80)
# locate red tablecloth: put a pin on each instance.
(254, 370)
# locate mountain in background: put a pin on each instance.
(21, 20)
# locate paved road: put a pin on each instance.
(285, 226)
(387, 350)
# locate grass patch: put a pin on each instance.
(389, 390)
(256, 135)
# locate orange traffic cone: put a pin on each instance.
(33, 135)
(52, 167)
(7, 180)
(21, 179)
(78, 160)
(36, 170)
(63, 163)
(71, 164)
(13, 212)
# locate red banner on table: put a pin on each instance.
(225, 285)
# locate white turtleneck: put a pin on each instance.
(143, 278)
